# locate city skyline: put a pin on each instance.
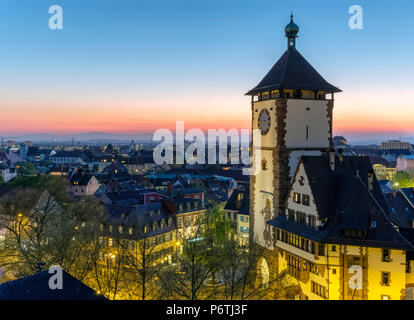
(134, 69)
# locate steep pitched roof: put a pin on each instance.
(244, 206)
(36, 287)
(343, 199)
(292, 71)
(81, 179)
(401, 211)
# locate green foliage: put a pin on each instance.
(402, 179)
(53, 184)
(39, 229)
(26, 169)
(1, 180)
(218, 227)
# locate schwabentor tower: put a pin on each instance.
(292, 107)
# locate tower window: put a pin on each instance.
(386, 255)
(264, 165)
(385, 278)
(307, 132)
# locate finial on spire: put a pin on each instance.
(291, 31)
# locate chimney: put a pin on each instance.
(370, 180)
(341, 156)
(332, 159)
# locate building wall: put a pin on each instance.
(333, 272)
(403, 164)
(303, 114)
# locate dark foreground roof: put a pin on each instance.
(36, 287)
(343, 200)
(292, 71)
(401, 211)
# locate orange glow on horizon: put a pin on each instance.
(365, 112)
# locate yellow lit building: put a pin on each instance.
(320, 219)
(383, 172)
(336, 240)
(237, 208)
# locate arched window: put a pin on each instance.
(268, 205)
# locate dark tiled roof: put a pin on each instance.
(32, 151)
(409, 193)
(126, 197)
(67, 154)
(342, 197)
(379, 160)
(81, 179)
(292, 71)
(36, 287)
(400, 210)
(244, 206)
(282, 223)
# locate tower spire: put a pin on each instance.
(291, 32)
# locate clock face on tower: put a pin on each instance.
(264, 121)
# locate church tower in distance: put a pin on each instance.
(292, 107)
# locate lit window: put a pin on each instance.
(305, 200)
(296, 197)
(386, 255)
(385, 278)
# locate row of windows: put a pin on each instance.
(318, 289)
(301, 199)
(147, 228)
(299, 242)
(302, 218)
(130, 244)
(234, 216)
(296, 264)
(354, 234)
(244, 219)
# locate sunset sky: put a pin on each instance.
(131, 66)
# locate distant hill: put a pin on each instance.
(88, 136)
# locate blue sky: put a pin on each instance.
(136, 53)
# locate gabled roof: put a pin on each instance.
(36, 287)
(342, 198)
(409, 194)
(244, 206)
(292, 71)
(67, 154)
(81, 179)
(401, 211)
